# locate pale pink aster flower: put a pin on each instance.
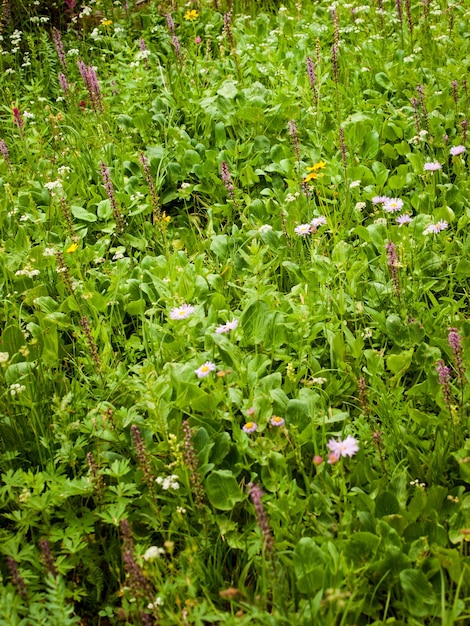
(435, 228)
(205, 370)
(318, 221)
(432, 166)
(277, 421)
(380, 199)
(340, 448)
(181, 312)
(226, 328)
(251, 411)
(403, 219)
(303, 230)
(393, 205)
(250, 427)
(456, 150)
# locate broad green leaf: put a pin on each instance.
(222, 490)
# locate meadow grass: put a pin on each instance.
(234, 335)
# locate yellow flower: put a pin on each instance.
(72, 248)
(106, 22)
(313, 171)
(317, 166)
(191, 15)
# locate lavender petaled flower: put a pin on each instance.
(182, 312)
(250, 427)
(380, 199)
(393, 205)
(346, 447)
(435, 228)
(95, 88)
(403, 219)
(177, 46)
(457, 150)
(205, 369)
(432, 166)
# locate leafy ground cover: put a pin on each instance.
(234, 345)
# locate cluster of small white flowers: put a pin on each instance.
(63, 170)
(155, 604)
(49, 252)
(27, 272)
(168, 482)
(95, 34)
(118, 255)
(360, 206)
(43, 19)
(4, 356)
(181, 510)
(292, 197)
(16, 389)
(185, 185)
(54, 184)
(153, 553)
(73, 52)
(318, 380)
(416, 483)
(142, 55)
(28, 115)
(85, 11)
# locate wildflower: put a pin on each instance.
(354, 183)
(197, 40)
(435, 228)
(393, 263)
(251, 411)
(265, 228)
(72, 248)
(18, 118)
(432, 166)
(205, 369)
(317, 459)
(227, 179)
(16, 389)
(4, 356)
(393, 205)
(250, 427)
(256, 495)
(456, 150)
(303, 230)
(443, 373)
(380, 199)
(106, 22)
(316, 222)
(455, 342)
(277, 421)
(226, 328)
(181, 312)
(318, 380)
(339, 448)
(403, 219)
(153, 553)
(312, 78)
(191, 15)
(313, 171)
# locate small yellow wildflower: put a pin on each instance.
(191, 15)
(106, 22)
(313, 171)
(72, 248)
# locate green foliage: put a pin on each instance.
(204, 293)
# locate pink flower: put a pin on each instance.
(226, 328)
(317, 221)
(317, 459)
(303, 230)
(393, 205)
(250, 427)
(435, 228)
(380, 199)
(403, 219)
(433, 166)
(181, 312)
(456, 150)
(205, 370)
(250, 411)
(197, 40)
(339, 448)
